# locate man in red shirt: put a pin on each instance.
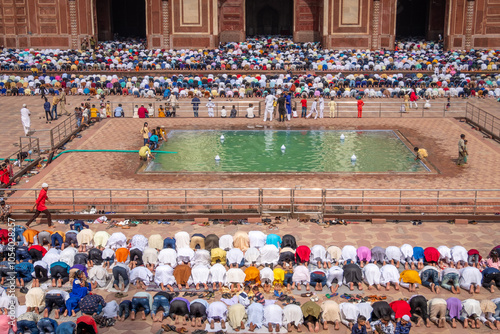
(142, 112)
(303, 102)
(40, 207)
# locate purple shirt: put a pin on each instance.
(184, 300)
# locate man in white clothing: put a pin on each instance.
(210, 107)
(25, 119)
(313, 109)
(270, 99)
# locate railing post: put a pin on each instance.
(73, 195)
(363, 201)
(475, 202)
(185, 201)
(51, 139)
(292, 199)
(222, 200)
(110, 201)
(400, 194)
(147, 194)
(437, 203)
(261, 195)
(379, 110)
(323, 202)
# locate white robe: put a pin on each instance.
(365, 309)
(292, 314)
(117, 240)
(141, 273)
(273, 314)
(226, 242)
(234, 256)
(255, 313)
(389, 274)
(468, 276)
(184, 255)
(201, 256)
(257, 239)
(26, 120)
(333, 273)
(407, 253)
(371, 273)
(217, 310)
(182, 240)
(444, 253)
(318, 253)
(218, 274)
(101, 238)
(269, 254)
(235, 275)
(164, 274)
(459, 253)
(168, 256)
(68, 256)
(150, 256)
(301, 275)
(471, 306)
(349, 253)
(139, 242)
(252, 255)
(348, 313)
(266, 274)
(52, 256)
(200, 274)
(100, 275)
(393, 253)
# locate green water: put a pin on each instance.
(306, 151)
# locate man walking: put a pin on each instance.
(195, 102)
(461, 150)
(40, 207)
(25, 119)
(62, 102)
(55, 101)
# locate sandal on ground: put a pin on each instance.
(307, 294)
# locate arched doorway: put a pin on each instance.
(420, 19)
(121, 19)
(269, 17)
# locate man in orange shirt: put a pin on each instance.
(360, 107)
(40, 207)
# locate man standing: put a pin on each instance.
(360, 107)
(210, 107)
(55, 101)
(62, 101)
(25, 119)
(288, 97)
(269, 107)
(46, 107)
(281, 108)
(461, 150)
(195, 102)
(40, 207)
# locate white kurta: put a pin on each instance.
(53, 255)
(85, 236)
(234, 256)
(68, 255)
(459, 253)
(444, 253)
(255, 313)
(472, 306)
(200, 274)
(257, 239)
(349, 253)
(252, 255)
(26, 120)
(407, 251)
(371, 273)
(468, 276)
(117, 240)
(292, 314)
(141, 273)
(273, 314)
(101, 238)
(393, 253)
(235, 275)
(348, 313)
(365, 309)
(202, 257)
(318, 253)
(164, 274)
(269, 254)
(335, 272)
(182, 240)
(226, 242)
(100, 275)
(155, 241)
(217, 310)
(389, 274)
(139, 242)
(301, 275)
(168, 256)
(184, 255)
(218, 273)
(266, 275)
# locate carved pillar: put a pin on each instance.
(376, 25)
(165, 16)
(73, 19)
(469, 20)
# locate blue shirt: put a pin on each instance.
(118, 112)
(402, 329)
(356, 330)
(273, 239)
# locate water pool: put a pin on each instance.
(306, 151)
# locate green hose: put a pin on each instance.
(121, 151)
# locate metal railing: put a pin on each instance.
(28, 150)
(485, 121)
(453, 202)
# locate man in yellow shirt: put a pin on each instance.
(145, 153)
